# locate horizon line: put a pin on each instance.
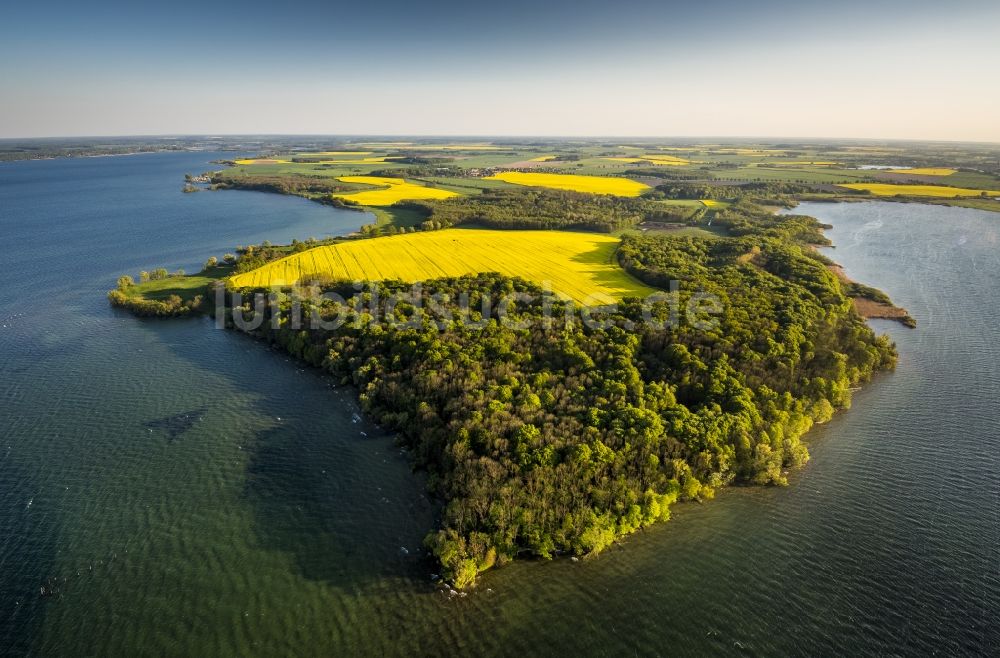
(218, 135)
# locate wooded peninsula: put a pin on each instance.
(581, 411)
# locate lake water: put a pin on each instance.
(190, 492)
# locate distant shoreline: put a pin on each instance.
(5, 157)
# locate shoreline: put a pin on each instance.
(874, 304)
(969, 203)
(869, 308)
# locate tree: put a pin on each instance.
(229, 258)
(211, 262)
(125, 281)
(144, 276)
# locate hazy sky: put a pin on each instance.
(876, 68)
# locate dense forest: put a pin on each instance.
(537, 208)
(746, 218)
(557, 437)
(310, 186)
(771, 192)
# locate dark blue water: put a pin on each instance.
(186, 491)
(172, 483)
(76, 222)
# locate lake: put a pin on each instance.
(187, 491)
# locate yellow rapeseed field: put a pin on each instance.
(666, 159)
(253, 161)
(573, 182)
(323, 154)
(663, 160)
(577, 265)
(391, 190)
(886, 189)
(925, 171)
(542, 158)
(378, 159)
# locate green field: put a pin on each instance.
(186, 287)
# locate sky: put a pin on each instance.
(881, 69)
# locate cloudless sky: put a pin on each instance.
(875, 69)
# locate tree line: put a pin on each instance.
(535, 208)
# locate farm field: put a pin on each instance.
(661, 160)
(334, 153)
(285, 167)
(693, 207)
(578, 265)
(925, 171)
(378, 159)
(761, 172)
(455, 147)
(797, 163)
(879, 189)
(575, 183)
(391, 190)
(440, 169)
(972, 180)
(715, 148)
(464, 185)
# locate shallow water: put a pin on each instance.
(189, 492)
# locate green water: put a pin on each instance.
(191, 492)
